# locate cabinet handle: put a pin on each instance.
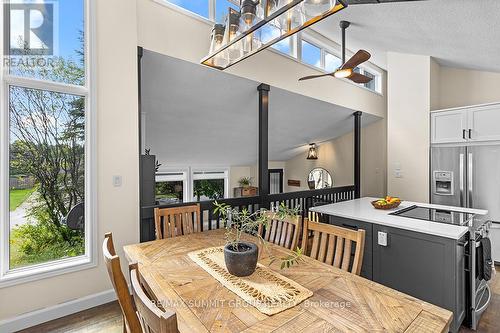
(470, 133)
(350, 226)
(463, 134)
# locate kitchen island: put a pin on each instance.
(422, 258)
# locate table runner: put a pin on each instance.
(268, 291)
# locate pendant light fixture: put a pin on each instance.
(261, 23)
(313, 153)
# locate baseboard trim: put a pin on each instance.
(41, 316)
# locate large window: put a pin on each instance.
(199, 7)
(209, 185)
(191, 184)
(47, 125)
(171, 187)
(311, 54)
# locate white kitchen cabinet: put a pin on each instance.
(467, 124)
(484, 123)
(449, 126)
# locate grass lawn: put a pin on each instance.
(17, 197)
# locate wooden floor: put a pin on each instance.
(107, 318)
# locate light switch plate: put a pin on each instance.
(382, 238)
(117, 181)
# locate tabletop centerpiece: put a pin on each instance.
(241, 256)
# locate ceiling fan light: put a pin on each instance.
(313, 153)
(343, 73)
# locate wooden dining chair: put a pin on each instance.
(333, 245)
(177, 221)
(131, 322)
(152, 318)
(284, 232)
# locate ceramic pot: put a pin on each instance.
(241, 261)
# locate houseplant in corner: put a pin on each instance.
(245, 182)
(241, 256)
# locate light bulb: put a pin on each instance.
(313, 8)
(343, 73)
(292, 18)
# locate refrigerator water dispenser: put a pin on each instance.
(443, 182)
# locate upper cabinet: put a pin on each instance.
(466, 125)
(448, 126)
(484, 123)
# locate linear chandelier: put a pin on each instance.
(261, 23)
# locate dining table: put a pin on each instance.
(341, 301)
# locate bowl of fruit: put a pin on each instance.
(386, 203)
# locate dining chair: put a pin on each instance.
(131, 322)
(334, 245)
(152, 318)
(284, 232)
(177, 221)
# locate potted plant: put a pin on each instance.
(241, 256)
(245, 182)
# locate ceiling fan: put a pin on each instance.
(347, 69)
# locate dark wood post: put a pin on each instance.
(263, 144)
(357, 154)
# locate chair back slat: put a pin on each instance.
(322, 247)
(112, 261)
(334, 245)
(177, 221)
(330, 251)
(153, 320)
(283, 232)
(338, 252)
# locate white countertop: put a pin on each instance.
(362, 210)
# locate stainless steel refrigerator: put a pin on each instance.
(469, 176)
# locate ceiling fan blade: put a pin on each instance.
(359, 78)
(360, 57)
(314, 76)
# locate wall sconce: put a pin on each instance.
(312, 154)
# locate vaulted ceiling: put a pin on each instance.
(195, 115)
(457, 33)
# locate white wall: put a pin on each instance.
(408, 106)
(337, 156)
(462, 87)
(121, 27)
(170, 32)
(117, 154)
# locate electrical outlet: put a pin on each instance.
(398, 173)
(117, 181)
(382, 238)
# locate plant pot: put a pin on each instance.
(243, 260)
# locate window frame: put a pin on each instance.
(328, 49)
(9, 277)
(171, 174)
(198, 173)
(316, 45)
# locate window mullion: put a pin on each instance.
(211, 10)
(45, 85)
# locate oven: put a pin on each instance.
(478, 290)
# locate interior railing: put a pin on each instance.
(210, 220)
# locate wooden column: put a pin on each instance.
(357, 154)
(263, 144)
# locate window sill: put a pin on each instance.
(42, 271)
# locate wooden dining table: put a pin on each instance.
(341, 301)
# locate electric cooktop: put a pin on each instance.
(435, 215)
